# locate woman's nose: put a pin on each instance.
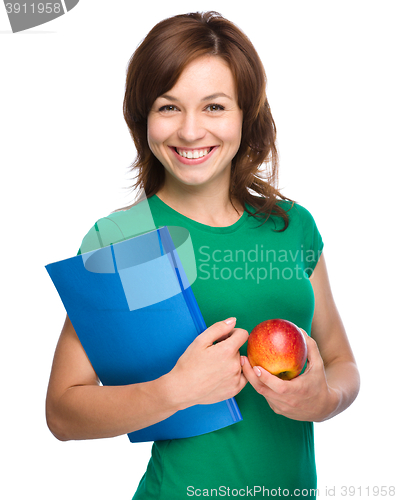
(191, 128)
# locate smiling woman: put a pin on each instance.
(196, 106)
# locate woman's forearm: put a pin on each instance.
(93, 411)
(78, 407)
(344, 381)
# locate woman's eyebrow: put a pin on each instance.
(207, 98)
(215, 96)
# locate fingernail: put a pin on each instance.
(242, 360)
(258, 371)
(229, 321)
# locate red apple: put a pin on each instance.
(278, 346)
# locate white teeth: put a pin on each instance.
(193, 154)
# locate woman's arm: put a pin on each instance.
(331, 380)
(329, 333)
(78, 407)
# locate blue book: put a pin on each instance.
(135, 314)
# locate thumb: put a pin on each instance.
(313, 352)
(217, 332)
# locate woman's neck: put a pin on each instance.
(209, 208)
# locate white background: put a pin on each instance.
(64, 154)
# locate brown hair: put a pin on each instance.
(154, 69)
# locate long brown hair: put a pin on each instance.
(154, 69)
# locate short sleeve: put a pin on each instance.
(312, 240)
(103, 233)
(119, 226)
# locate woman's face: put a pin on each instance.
(195, 128)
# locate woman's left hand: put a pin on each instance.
(306, 397)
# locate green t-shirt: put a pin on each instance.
(249, 271)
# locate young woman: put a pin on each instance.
(197, 110)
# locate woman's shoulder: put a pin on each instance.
(296, 210)
(296, 213)
(118, 226)
(302, 223)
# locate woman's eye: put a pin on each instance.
(215, 107)
(167, 108)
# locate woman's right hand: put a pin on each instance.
(209, 371)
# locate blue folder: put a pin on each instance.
(135, 314)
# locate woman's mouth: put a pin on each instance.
(193, 156)
(193, 153)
